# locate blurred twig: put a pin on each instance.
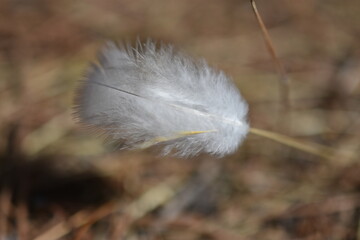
(355, 227)
(23, 225)
(204, 177)
(205, 226)
(47, 134)
(119, 227)
(79, 219)
(5, 208)
(150, 200)
(83, 232)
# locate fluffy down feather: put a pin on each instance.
(153, 95)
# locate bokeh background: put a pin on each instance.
(60, 182)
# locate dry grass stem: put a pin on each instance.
(284, 80)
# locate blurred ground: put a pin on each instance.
(58, 182)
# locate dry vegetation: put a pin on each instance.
(57, 182)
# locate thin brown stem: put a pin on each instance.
(284, 80)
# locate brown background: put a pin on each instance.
(266, 190)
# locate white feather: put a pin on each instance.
(151, 95)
